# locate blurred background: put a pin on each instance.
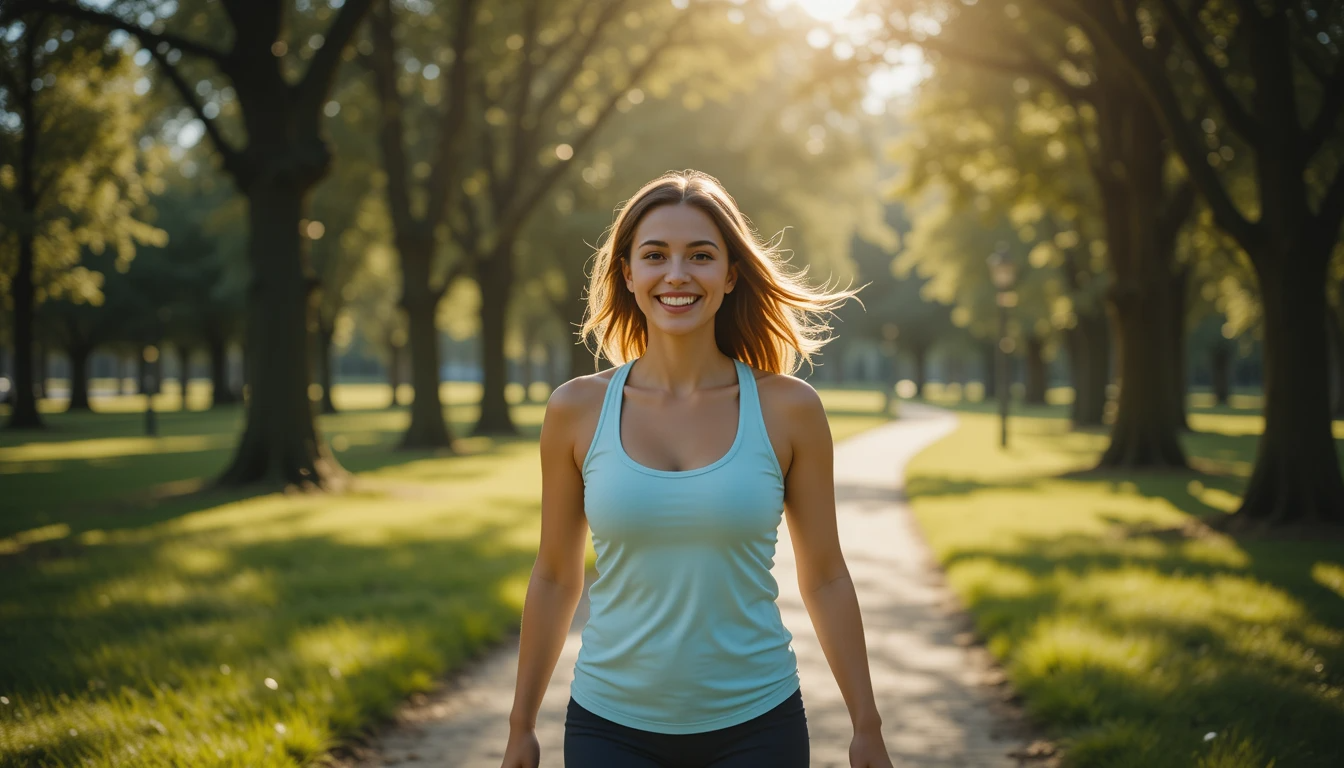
(340, 246)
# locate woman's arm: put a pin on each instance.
(823, 578)
(556, 583)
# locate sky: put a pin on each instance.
(839, 21)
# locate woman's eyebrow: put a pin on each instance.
(661, 244)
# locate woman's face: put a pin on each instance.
(678, 269)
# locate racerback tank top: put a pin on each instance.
(684, 635)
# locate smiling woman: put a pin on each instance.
(682, 462)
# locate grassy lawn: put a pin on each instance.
(1140, 643)
(149, 620)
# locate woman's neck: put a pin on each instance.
(681, 365)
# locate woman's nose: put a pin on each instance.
(676, 271)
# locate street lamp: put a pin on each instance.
(1003, 273)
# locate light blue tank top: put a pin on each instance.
(684, 635)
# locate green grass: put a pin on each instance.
(1129, 636)
(149, 620)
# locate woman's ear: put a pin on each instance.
(732, 279)
(625, 272)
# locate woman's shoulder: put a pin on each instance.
(580, 396)
(786, 392)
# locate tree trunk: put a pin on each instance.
(1180, 286)
(1144, 434)
(79, 376)
(525, 371)
(394, 355)
(1296, 476)
(1089, 364)
(1220, 364)
(220, 391)
(281, 444)
(1037, 372)
(428, 428)
(1140, 235)
(23, 413)
(325, 332)
(920, 352)
(495, 275)
(988, 369)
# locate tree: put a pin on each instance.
(72, 174)
(1271, 74)
(563, 74)
(1145, 199)
(275, 168)
(998, 161)
(419, 193)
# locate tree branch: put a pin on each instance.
(604, 18)
(517, 214)
(1237, 116)
(1332, 99)
(453, 118)
(316, 83)
(1156, 86)
(147, 38)
(527, 71)
(232, 159)
(390, 125)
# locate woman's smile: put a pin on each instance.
(677, 303)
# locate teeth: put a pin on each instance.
(678, 301)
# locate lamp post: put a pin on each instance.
(1003, 273)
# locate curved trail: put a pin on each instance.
(941, 700)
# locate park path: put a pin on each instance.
(943, 704)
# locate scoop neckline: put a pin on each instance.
(732, 449)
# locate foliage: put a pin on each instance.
(94, 172)
(993, 159)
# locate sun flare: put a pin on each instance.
(827, 10)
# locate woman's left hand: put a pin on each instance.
(867, 750)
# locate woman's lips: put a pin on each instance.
(677, 310)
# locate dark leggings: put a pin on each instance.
(776, 739)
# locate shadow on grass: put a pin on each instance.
(115, 478)
(194, 623)
(1143, 633)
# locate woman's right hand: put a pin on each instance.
(523, 750)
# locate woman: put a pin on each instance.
(683, 461)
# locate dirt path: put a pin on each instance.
(942, 702)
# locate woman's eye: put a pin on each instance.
(706, 254)
(653, 255)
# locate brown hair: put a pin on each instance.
(769, 319)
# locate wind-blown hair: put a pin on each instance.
(770, 321)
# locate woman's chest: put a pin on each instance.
(740, 500)
(679, 435)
